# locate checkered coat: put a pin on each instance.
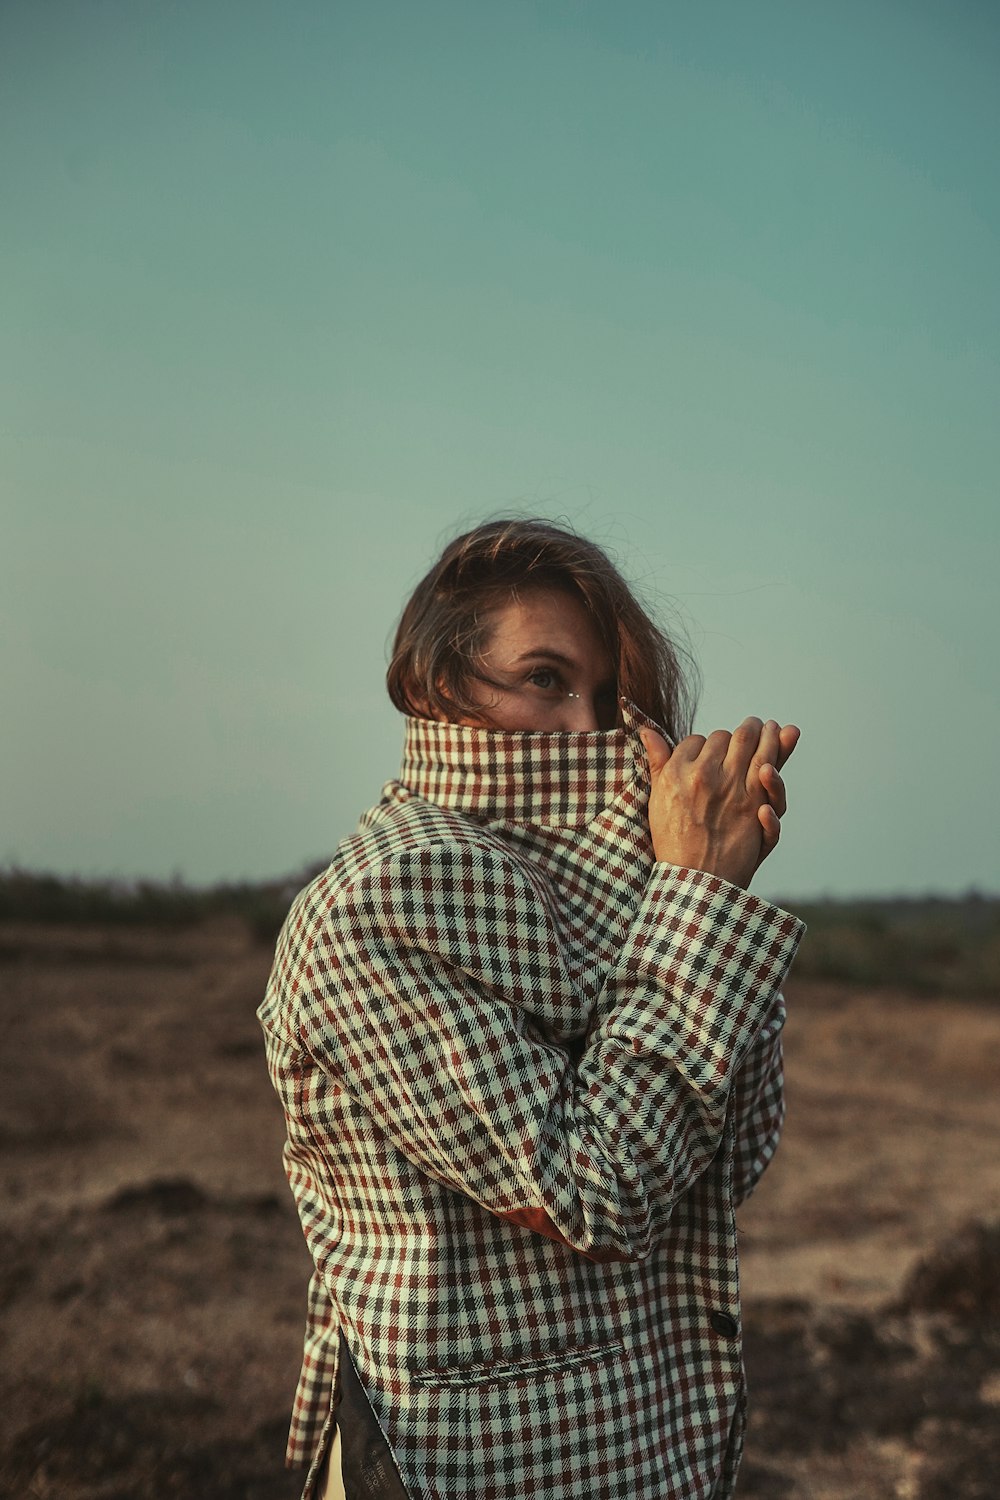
(527, 1073)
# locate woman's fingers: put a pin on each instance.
(773, 785)
(742, 743)
(718, 804)
(765, 753)
(753, 746)
(788, 738)
(770, 828)
(689, 748)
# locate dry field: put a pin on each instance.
(152, 1273)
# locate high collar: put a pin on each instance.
(519, 776)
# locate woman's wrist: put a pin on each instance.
(720, 869)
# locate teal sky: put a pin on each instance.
(293, 292)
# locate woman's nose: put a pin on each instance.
(580, 713)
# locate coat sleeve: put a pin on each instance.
(758, 1104)
(415, 993)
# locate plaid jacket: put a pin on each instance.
(527, 1073)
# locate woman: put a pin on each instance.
(525, 1030)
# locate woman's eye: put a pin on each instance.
(546, 679)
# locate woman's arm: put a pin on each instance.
(758, 1104)
(414, 992)
(717, 803)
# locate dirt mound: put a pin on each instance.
(960, 1277)
(168, 1195)
(143, 1447)
(179, 1197)
(173, 1362)
(825, 1382)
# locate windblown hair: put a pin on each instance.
(446, 625)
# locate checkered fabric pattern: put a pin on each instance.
(527, 1073)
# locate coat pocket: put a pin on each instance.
(560, 1424)
(508, 1371)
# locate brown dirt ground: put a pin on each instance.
(152, 1273)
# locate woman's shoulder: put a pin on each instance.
(412, 885)
(413, 834)
(414, 843)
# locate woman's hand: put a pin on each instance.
(715, 804)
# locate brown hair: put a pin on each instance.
(445, 626)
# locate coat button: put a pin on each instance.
(723, 1323)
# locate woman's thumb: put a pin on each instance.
(657, 749)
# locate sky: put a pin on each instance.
(294, 293)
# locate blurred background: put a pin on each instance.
(291, 294)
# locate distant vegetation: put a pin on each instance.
(935, 945)
(29, 897)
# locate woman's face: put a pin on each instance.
(548, 666)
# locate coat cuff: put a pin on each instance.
(699, 970)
